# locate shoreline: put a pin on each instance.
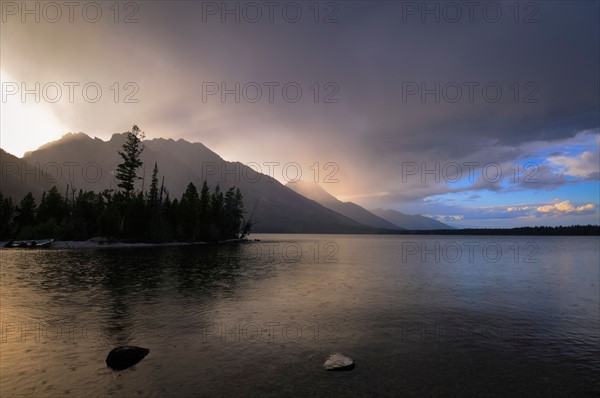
(95, 244)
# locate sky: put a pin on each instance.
(478, 114)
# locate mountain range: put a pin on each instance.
(351, 210)
(378, 218)
(77, 161)
(411, 222)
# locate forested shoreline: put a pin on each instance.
(127, 214)
(561, 230)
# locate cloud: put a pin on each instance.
(585, 165)
(539, 177)
(518, 208)
(565, 207)
(556, 208)
(532, 211)
(447, 218)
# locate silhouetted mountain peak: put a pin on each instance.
(117, 139)
(66, 138)
(7, 155)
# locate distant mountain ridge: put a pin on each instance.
(351, 210)
(81, 162)
(414, 222)
(379, 218)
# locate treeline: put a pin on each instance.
(579, 230)
(126, 214)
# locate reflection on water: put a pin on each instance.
(421, 315)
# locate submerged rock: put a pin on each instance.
(338, 361)
(125, 356)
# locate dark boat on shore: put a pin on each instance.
(29, 244)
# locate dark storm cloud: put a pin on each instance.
(373, 54)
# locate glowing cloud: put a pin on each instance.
(565, 207)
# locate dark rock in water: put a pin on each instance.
(338, 361)
(125, 356)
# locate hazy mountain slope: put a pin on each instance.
(409, 222)
(18, 177)
(351, 210)
(276, 207)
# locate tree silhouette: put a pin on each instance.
(127, 170)
(188, 212)
(7, 210)
(52, 206)
(26, 211)
(233, 212)
(215, 229)
(204, 213)
(153, 193)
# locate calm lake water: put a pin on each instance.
(420, 315)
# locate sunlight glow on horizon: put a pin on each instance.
(26, 126)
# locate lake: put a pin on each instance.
(420, 316)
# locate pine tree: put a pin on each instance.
(171, 211)
(153, 193)
(127, 171)
(51, 206)
(239, 212)
(26, 211)
(204, 211)
(188, 212)
(216, 210)
(7, 210)
(233, 213)
(86, 211)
